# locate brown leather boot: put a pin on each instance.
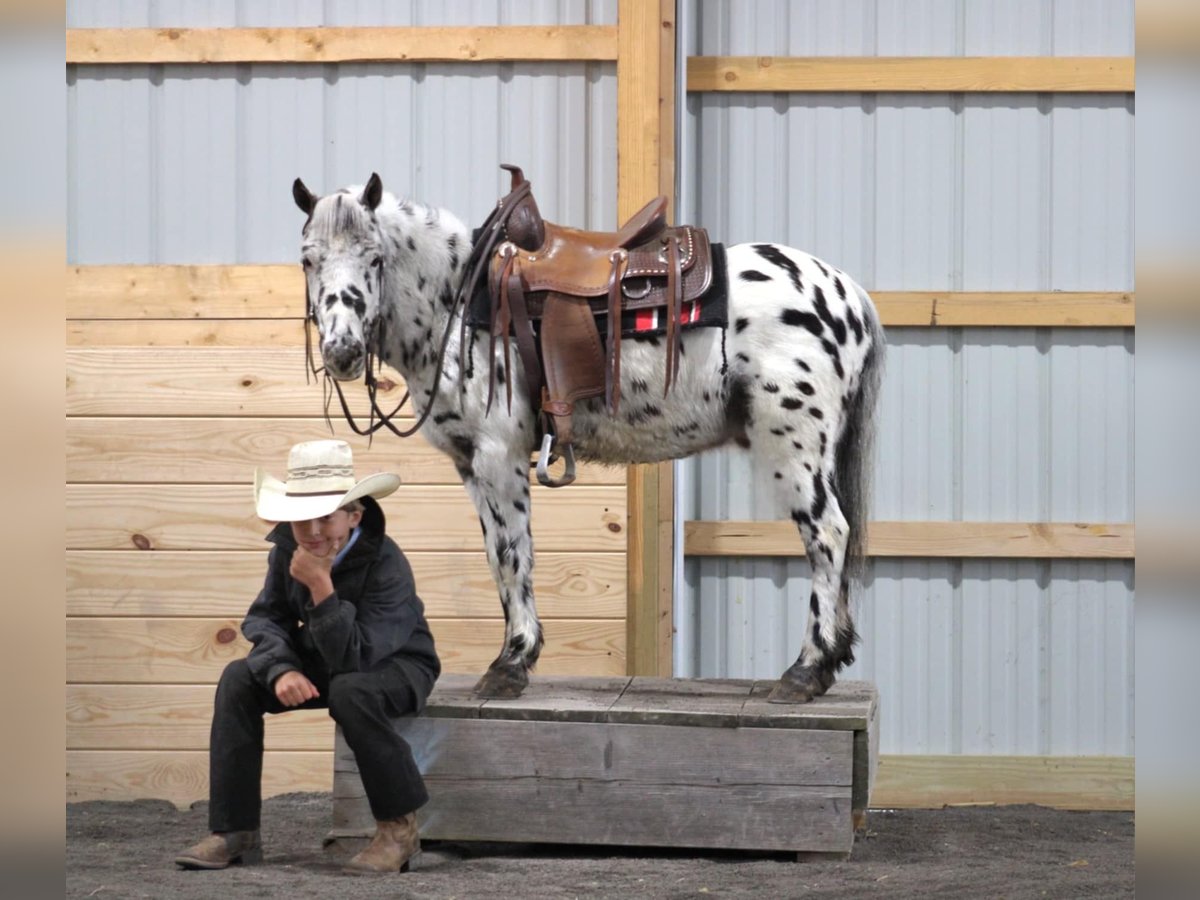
(221, 849)
(395, 845)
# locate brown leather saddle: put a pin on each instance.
(548, 285)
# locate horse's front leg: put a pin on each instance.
(499, 487)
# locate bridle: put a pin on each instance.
(477, 262)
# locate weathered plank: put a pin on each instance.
(708, 702)
(485, 750)
(559, 700)
(263, 382)
(173, 717)
(221, 517)
(196, 650)
(693, 787)
(1041, 540)
(224, 582)
(1009, 74)
(130, 450)
(181, 776)
(847, 706)
(767, 817)
(330, 44)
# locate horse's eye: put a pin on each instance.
(377, 261)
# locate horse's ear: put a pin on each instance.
(303, 197)
(373, 192)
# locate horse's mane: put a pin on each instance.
(338, 214)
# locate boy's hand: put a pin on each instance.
(313, 571)
(293, 688)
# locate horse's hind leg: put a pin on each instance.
(829, 636)
(791, 442)
(499, 487)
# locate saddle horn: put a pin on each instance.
(524, 225)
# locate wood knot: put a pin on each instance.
(386, 384)
(142, 542)
(226, 635)
(247, 382)
(614, 527)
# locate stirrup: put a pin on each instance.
(543, 463)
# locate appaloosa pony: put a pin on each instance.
(791, 374)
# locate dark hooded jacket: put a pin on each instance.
(374, 617)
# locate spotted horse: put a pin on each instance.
(790, 372)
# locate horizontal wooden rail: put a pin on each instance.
(922, 782)
(893, 74)
(542, 43)
(1063, 782)
(989, 540)
(99, 297)
(196, 650)
(453, 584)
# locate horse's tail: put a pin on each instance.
(854, 455)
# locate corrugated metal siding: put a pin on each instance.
(944, 192)
(194, 164)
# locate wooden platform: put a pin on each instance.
(653, 762)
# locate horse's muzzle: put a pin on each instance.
(344, 359)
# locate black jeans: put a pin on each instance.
(364, 704)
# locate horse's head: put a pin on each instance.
(342, 255)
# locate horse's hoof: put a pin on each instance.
(502, 683)
(802, 685)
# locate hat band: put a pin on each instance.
(314, 493)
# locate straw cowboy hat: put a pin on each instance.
(320, 480)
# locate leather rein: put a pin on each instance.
(475, 266)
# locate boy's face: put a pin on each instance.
(327, 535)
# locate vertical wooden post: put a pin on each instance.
(646, 168)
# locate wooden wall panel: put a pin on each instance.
(263, 381)
(181, 776)
(420, 517)
(568, 584)
(206, 450)
(196, 650)
(173, 717)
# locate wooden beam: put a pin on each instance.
(1039, 309)
(1009, 74)
(1063, 782)
(539, 43)
(206, 303)
(645, 137)
(1018, 540)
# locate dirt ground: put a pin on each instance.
(120, 850)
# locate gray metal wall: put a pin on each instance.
(194, 164)
(941, 192)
